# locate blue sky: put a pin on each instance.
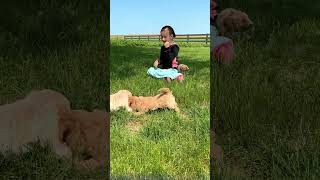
(148, 16)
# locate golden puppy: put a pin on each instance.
(183, 68)
(142, 104)
(33, 118)
(232, 20)
(120, 99)
(86, 134)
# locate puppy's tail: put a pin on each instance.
(165, 90)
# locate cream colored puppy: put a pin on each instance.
(33, 118)
(120, 99)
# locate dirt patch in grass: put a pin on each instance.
(134, 126)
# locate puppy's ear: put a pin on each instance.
(130, 101)
(66, 123)
(186, 68)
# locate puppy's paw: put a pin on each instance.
(129, 109)
(63, 150)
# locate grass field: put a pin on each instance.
(267, 115)
(35, 56)
(71, 73)
(160, 143)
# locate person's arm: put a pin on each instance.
(173, 53)
(161, 57)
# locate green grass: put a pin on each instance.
(35, 56)
(70, 73)
(267, 115)
(41, 163)
(164, 145)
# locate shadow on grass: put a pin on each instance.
(39, 162)
(80, 73)
(265, 114)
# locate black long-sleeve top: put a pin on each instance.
(169, 57)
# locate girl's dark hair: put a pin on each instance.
(171, 31)
(213, 20)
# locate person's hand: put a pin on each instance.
(156, 63)
(166, 44)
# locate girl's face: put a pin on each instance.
(166, 36)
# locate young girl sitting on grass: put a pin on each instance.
(167, 66)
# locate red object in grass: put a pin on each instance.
(224, 52)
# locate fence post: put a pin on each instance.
(189, 37)
(207, 38)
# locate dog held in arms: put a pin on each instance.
(141, 105)
(34, 118)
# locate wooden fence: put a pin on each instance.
(179, 38)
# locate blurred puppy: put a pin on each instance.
(231, 20)
(165, 99)
(183, 68)
(86, 134)
(120, 99)
(31, 119)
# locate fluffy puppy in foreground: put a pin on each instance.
(120, 99)
(165, 99)
(31, 119)
(86, 134)
(231, 20)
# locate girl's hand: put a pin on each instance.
(166, 44)
(156, 63)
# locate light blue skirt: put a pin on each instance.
(162, 73)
